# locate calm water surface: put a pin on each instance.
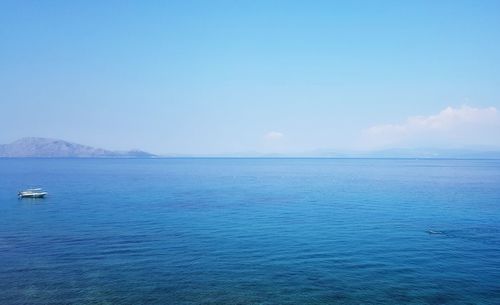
(250, 231)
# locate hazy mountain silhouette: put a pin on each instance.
(54, 148)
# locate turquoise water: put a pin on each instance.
(250, 231)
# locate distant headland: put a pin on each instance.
(33, 147)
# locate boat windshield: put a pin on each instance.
(34, 190)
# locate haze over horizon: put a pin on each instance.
(193, 77)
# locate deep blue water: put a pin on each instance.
(250, 231)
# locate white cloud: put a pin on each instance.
(464, 126)
(274, 135)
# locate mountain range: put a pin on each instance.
(32, 147)
(53, 148)
(392, 153)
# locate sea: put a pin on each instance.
(250, 231)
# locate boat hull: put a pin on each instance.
(34, 195)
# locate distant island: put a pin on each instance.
(33, 147)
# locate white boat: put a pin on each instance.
(32, 193)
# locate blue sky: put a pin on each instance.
(207, 77)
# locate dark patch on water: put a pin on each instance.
(485, 235)
(435, 232)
